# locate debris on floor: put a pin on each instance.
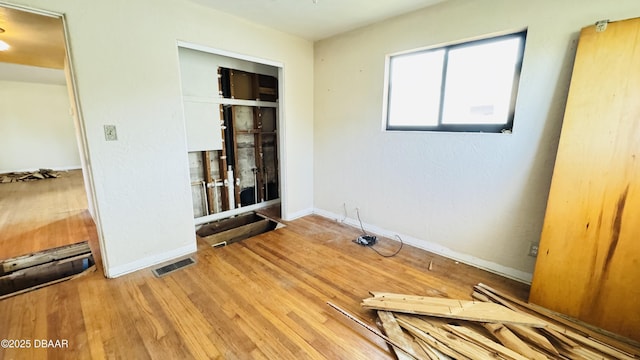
(227, 231)
(28, 176)
(36, 270)
(493, 326)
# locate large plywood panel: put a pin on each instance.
(198, 74)
(589, 259)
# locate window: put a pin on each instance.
(469, 87)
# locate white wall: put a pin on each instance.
(36, 128)
(479, 198)
(125, 57)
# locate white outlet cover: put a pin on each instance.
(110, 133)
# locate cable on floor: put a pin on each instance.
(371, 246)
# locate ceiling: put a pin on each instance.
(316, 19)
(35, 40)
(38, 46)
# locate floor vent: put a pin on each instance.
(167, 269)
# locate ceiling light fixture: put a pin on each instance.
(3, 45)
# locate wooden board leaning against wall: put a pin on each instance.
(588, 265)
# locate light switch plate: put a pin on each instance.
(110, 133)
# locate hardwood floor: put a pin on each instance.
(262, 298)
(43, 214)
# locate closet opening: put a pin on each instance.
(231, 108)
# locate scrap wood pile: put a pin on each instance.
(28, 176)
(493, 326)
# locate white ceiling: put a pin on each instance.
(305, 18)
(316, 20)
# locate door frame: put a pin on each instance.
(75, 106)
(281, 135)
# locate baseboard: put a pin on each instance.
(514, 274)
(120, 270)
(68, 168)
(298, 214)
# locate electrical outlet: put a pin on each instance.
(110, 133)
(533, 249)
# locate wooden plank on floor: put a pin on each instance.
(22, 262)
(449, 308)
(613, 345)
(533, 337)
(394, 332)
(485, 342)
(511, 341)
(450, 345)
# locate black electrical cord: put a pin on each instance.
(372, 248)
(360, 221)
(390, 255)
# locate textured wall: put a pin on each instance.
(125, 57)
(36, 129)
(476, 197)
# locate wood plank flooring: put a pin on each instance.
(262, 298)
(43, 214)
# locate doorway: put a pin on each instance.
(40, 123)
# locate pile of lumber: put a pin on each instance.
(493, 326)
(28, 176)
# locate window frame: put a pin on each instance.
(440, 127)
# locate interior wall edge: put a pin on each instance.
(124, 269)
(492, 267)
